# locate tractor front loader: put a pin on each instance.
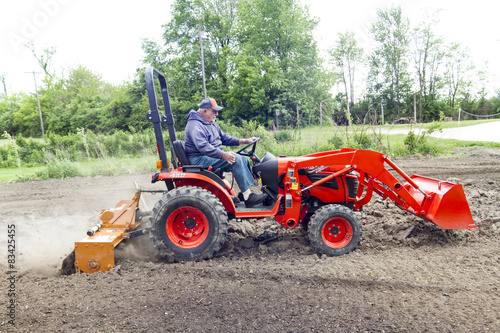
(319, 191)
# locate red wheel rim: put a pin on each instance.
(337, 232)
(187, 227)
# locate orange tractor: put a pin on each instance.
(321, 191)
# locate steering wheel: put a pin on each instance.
(243, 151)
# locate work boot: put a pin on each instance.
(255, 199)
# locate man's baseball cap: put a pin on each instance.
(209, 103)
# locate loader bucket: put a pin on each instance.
(444, 204)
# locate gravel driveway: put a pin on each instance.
(482, 132)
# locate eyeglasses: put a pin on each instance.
(214, 111)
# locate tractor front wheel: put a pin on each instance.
(188, 224)
(334, 230)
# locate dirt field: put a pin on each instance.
(407, 275)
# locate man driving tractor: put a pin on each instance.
(204, 140)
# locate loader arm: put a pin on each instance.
(441, 202)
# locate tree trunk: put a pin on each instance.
(347, 101)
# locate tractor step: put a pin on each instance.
(259, 208)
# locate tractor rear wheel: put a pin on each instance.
(334, 230)
(188, 224)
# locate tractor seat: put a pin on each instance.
(180, 152)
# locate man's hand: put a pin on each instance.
(229, 157)
(248, 140)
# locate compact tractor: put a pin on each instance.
(319, 191)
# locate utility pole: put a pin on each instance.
(382, 109)
(202, 61)
(298, 119)
(277, 115)
(38, 100)
(321, 114)
(200, 38)
(415, 108)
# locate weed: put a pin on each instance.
(418, 143)
(81, 132)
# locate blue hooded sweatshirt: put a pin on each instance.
(203, 138)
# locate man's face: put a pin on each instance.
(209, 115)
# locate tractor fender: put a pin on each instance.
(195, 179)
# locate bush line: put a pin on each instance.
(60, 156)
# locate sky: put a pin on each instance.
(105, 36)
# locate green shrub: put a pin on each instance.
(13, 151)
(70, 146)
(7, 158)
(362, 140)
(31, 151)
(114, 145)
(336, 142)
(282, 136)
(58, 169)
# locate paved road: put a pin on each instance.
(482, 132)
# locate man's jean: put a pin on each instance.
(240, 169)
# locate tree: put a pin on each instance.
(8, 107)
(179, 56)
(76, 102)
(346, 56)
(279, 34)
(260, 55)
(44, 59)
(4, 86)
(459, 72)
(124, 110)
(253, 88)
(428, 55)
(389, 61)
(26, 119)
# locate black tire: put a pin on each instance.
(188, 224)
(334, 230)
(304, 224)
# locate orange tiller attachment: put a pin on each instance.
(95, 253)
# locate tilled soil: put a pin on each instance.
(408, 275)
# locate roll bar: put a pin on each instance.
(155, 117)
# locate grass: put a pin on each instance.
(12, 174)
(108, 167)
